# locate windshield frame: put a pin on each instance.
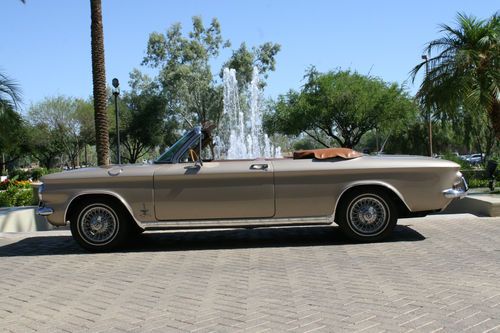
(179, 147)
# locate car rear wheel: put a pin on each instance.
(99, 225)
(367, 215)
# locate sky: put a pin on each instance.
(45, 44)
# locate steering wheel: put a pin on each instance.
(193, 155)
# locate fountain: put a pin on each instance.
(242, 136)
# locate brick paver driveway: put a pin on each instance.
(436, 273)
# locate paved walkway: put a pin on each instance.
(440, 273)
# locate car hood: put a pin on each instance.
(102, 171)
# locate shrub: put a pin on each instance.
(5, 199)
(464, 165)
(19, 174)
(26, 184)
(4, 184)
(16, 196)
(16, 193)
(23, 197)
(37, 173)
(8, 183)
(474, 182)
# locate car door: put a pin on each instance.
(232, 189)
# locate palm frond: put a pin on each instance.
(464, 70)
(10, 92)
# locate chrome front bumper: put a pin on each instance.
(44, 211)
(457, 192)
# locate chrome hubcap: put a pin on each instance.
(98, 224)
(368, 215)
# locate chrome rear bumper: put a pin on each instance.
(457, 192)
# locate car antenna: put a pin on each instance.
(383, 145)
(187, 120)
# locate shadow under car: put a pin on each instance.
(206, 240)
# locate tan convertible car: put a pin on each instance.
(364, 195)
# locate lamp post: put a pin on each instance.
(429, 118)
(116, 92)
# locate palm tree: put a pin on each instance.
(466, 70)
(10, 94)
(99, 83)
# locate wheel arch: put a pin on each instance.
(73, 203)
(394, 194)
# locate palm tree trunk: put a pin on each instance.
(99, 84)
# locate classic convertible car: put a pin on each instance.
(364, 195)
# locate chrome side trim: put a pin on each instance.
(44, 211)
(247, 223)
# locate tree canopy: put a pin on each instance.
(142, 119)
(61, 125)
(244, 60)
(339, 107)
(12, 136)
(464, 69)
(10, 93)
(12, 125)
(192, 93)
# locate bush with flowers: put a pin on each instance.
(15, 192)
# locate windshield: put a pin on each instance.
(167, 156)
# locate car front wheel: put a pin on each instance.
(367, 215)
(99, 226)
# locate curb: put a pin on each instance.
(22, 219)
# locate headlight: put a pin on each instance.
(41, 188)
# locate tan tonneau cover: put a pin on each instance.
(326, 153)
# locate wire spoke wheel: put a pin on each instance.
(98, 224)
(368, 215)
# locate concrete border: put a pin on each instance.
(477, 204)
(22, 219)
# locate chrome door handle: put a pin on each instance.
(259, 167)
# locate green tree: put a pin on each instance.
(340, 107)
(12, 137)
(11, 123)
(142, 125)
(473, 130)
(185, 75)
(187, 82)
(84, 115)
(244, 60)
(465, 70)
(99, 83)
(67, 120)
(44, 145)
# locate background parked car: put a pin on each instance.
(475, 159)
